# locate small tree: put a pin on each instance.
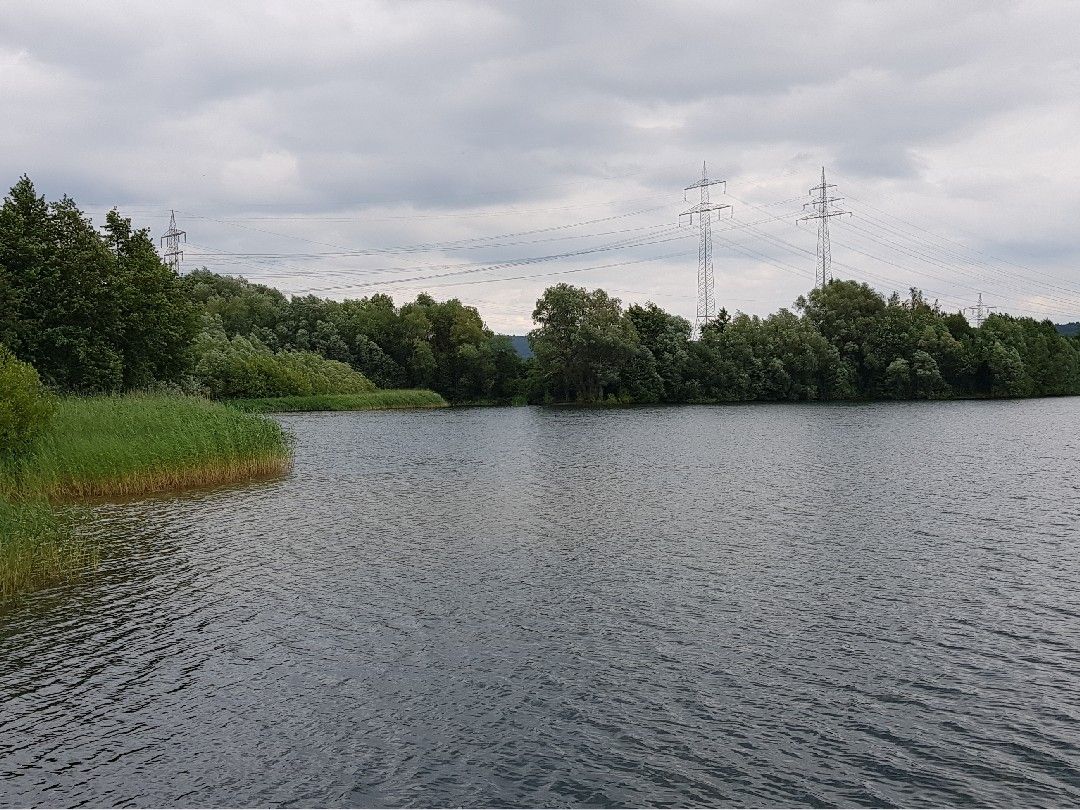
(25, 407)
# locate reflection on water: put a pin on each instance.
(735, 605)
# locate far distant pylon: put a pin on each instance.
(170, 241)
(980, 311)
(822, 212)
(706, 294)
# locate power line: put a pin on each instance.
(442, 245)
(977, 273)
(503, 265)
(662, 257)
(213, 253)
(956, 242)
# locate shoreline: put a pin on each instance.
(118, 447)
(381, 400)
(121, 446)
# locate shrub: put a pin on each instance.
(244, 367)
(25, 407)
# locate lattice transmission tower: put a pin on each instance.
(706, 294)
(170, 241)
(823, 211)
(980, 311)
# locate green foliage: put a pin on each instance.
(372, 401)
(583, 343)
(241, 308)
(90, 311)
(38, 548)
(100, 312)
(441, 345)
(128, 444)
(245, 367)
(849, 343)
(666, 337)
(25, 407)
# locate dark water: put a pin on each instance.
(765, 605)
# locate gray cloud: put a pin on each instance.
(367, 125)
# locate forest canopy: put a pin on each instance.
(98, 311)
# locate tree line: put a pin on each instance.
(97, 311)
(846, 341)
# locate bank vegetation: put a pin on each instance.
(88, 316)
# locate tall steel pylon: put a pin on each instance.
(170, 241)
(706, 294)
(980, 311)
(821, 203)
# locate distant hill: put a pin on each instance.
(521, 345)
(1069, 329)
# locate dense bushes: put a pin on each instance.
(243, 367)
(440, 345)
(24, 405)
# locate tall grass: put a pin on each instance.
(370, 401)
(38, 548)
(106, 446)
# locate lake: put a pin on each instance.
(763, 604)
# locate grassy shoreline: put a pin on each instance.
(103, 446)
(39, 548)
(118, 446)
(383, 399)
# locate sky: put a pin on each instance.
(485, 151)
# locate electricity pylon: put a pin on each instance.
(706, 295)
(980, 311)
(171, 243)
(821, 204)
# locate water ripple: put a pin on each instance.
(765, 606)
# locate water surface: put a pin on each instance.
(764, 605)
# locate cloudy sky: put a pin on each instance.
(487, 150)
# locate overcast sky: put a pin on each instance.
(502, 147)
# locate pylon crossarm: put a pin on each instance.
(697, 209)
(702, 183)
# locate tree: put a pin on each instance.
(926, 379)
(90, 311)
(580, 344)
(25, 408)
(667, 338)
(1006, 371)
(244, 308)
(68, 316)
(846, 313)
(155, 322)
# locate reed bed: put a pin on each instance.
(38, 548)
(387, 399)
(129, 445)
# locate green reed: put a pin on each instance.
(371, 401)
(127, 445)
(38, 548)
